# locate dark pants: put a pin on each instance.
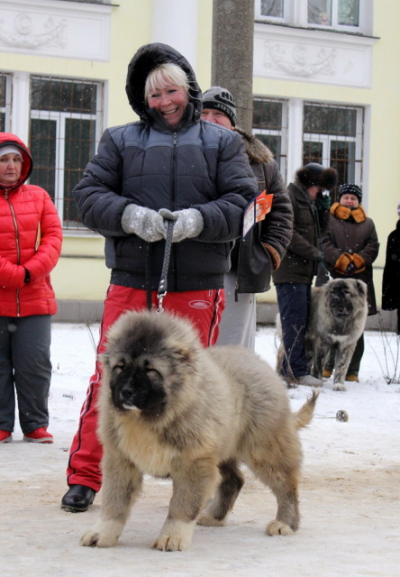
(355, 362)
(294, 310)
(25, 366)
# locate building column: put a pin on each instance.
(166, 16)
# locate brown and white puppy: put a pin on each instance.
(170, 408)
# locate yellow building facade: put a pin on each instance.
(324, 81)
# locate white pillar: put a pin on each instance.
(21, 106)
(175, 23)
(295, 148)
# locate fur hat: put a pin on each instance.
(314, 174)
(218, 98)
(350, 189)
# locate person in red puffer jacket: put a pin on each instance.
(30, 245)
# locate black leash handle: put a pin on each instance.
(162, 287)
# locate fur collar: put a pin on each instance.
(256, 150)
(343, 213)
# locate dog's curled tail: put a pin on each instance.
(304, 415)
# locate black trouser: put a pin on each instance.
(25, 365)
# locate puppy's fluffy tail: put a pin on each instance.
(304, 415)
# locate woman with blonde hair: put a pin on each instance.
(168, 166)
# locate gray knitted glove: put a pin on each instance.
(143, 222)
(188, 223)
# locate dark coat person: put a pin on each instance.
(350, 246)
(295, 275)
(261, 250)
(391, 275)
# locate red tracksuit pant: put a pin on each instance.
(203, 308)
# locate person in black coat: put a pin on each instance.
(391, 274)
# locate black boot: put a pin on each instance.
(78, 498)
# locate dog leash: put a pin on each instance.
(162, 287)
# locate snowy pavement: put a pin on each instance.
(349, 493)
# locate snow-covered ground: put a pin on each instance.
(350, 502)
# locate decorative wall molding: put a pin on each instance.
(321, 57)
(53, 28)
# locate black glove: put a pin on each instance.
(351, 269)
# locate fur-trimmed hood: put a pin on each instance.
(143, 62)
(255, 149)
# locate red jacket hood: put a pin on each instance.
(7, 139)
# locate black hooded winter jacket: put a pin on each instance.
(199, 165)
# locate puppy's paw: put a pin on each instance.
(276, 527)
(102, 534)
(209, 521)
(339, 387)
(174, 536)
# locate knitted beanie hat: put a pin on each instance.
(350, 189)
(218, 98)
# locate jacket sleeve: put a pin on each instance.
(49, 241)
(371, 248)
(277, 227)
(236, 187)
(98, 194)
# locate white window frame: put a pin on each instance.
(283, 132)
(6, 109)
(19, 115)
(60, 119)
(276, 19)
(296, 15)
(326, 139)
(335, 25)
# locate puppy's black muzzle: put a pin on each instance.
(340, 305)
(141, 389)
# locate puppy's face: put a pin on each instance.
(340, 300)
(137, 384)
(342, 294)
(144, 368)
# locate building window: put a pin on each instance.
(334, 13)
(5, 102)
(271, 9)
(333, 136)
(299, 132)
(65, 123)
(270, 126)
(344, 15)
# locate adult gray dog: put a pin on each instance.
(337, 320)
(170, 408)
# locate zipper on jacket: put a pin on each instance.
(173, 185)
(16, 242)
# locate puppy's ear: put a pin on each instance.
(361, 287)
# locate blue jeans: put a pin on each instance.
(294, 310)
